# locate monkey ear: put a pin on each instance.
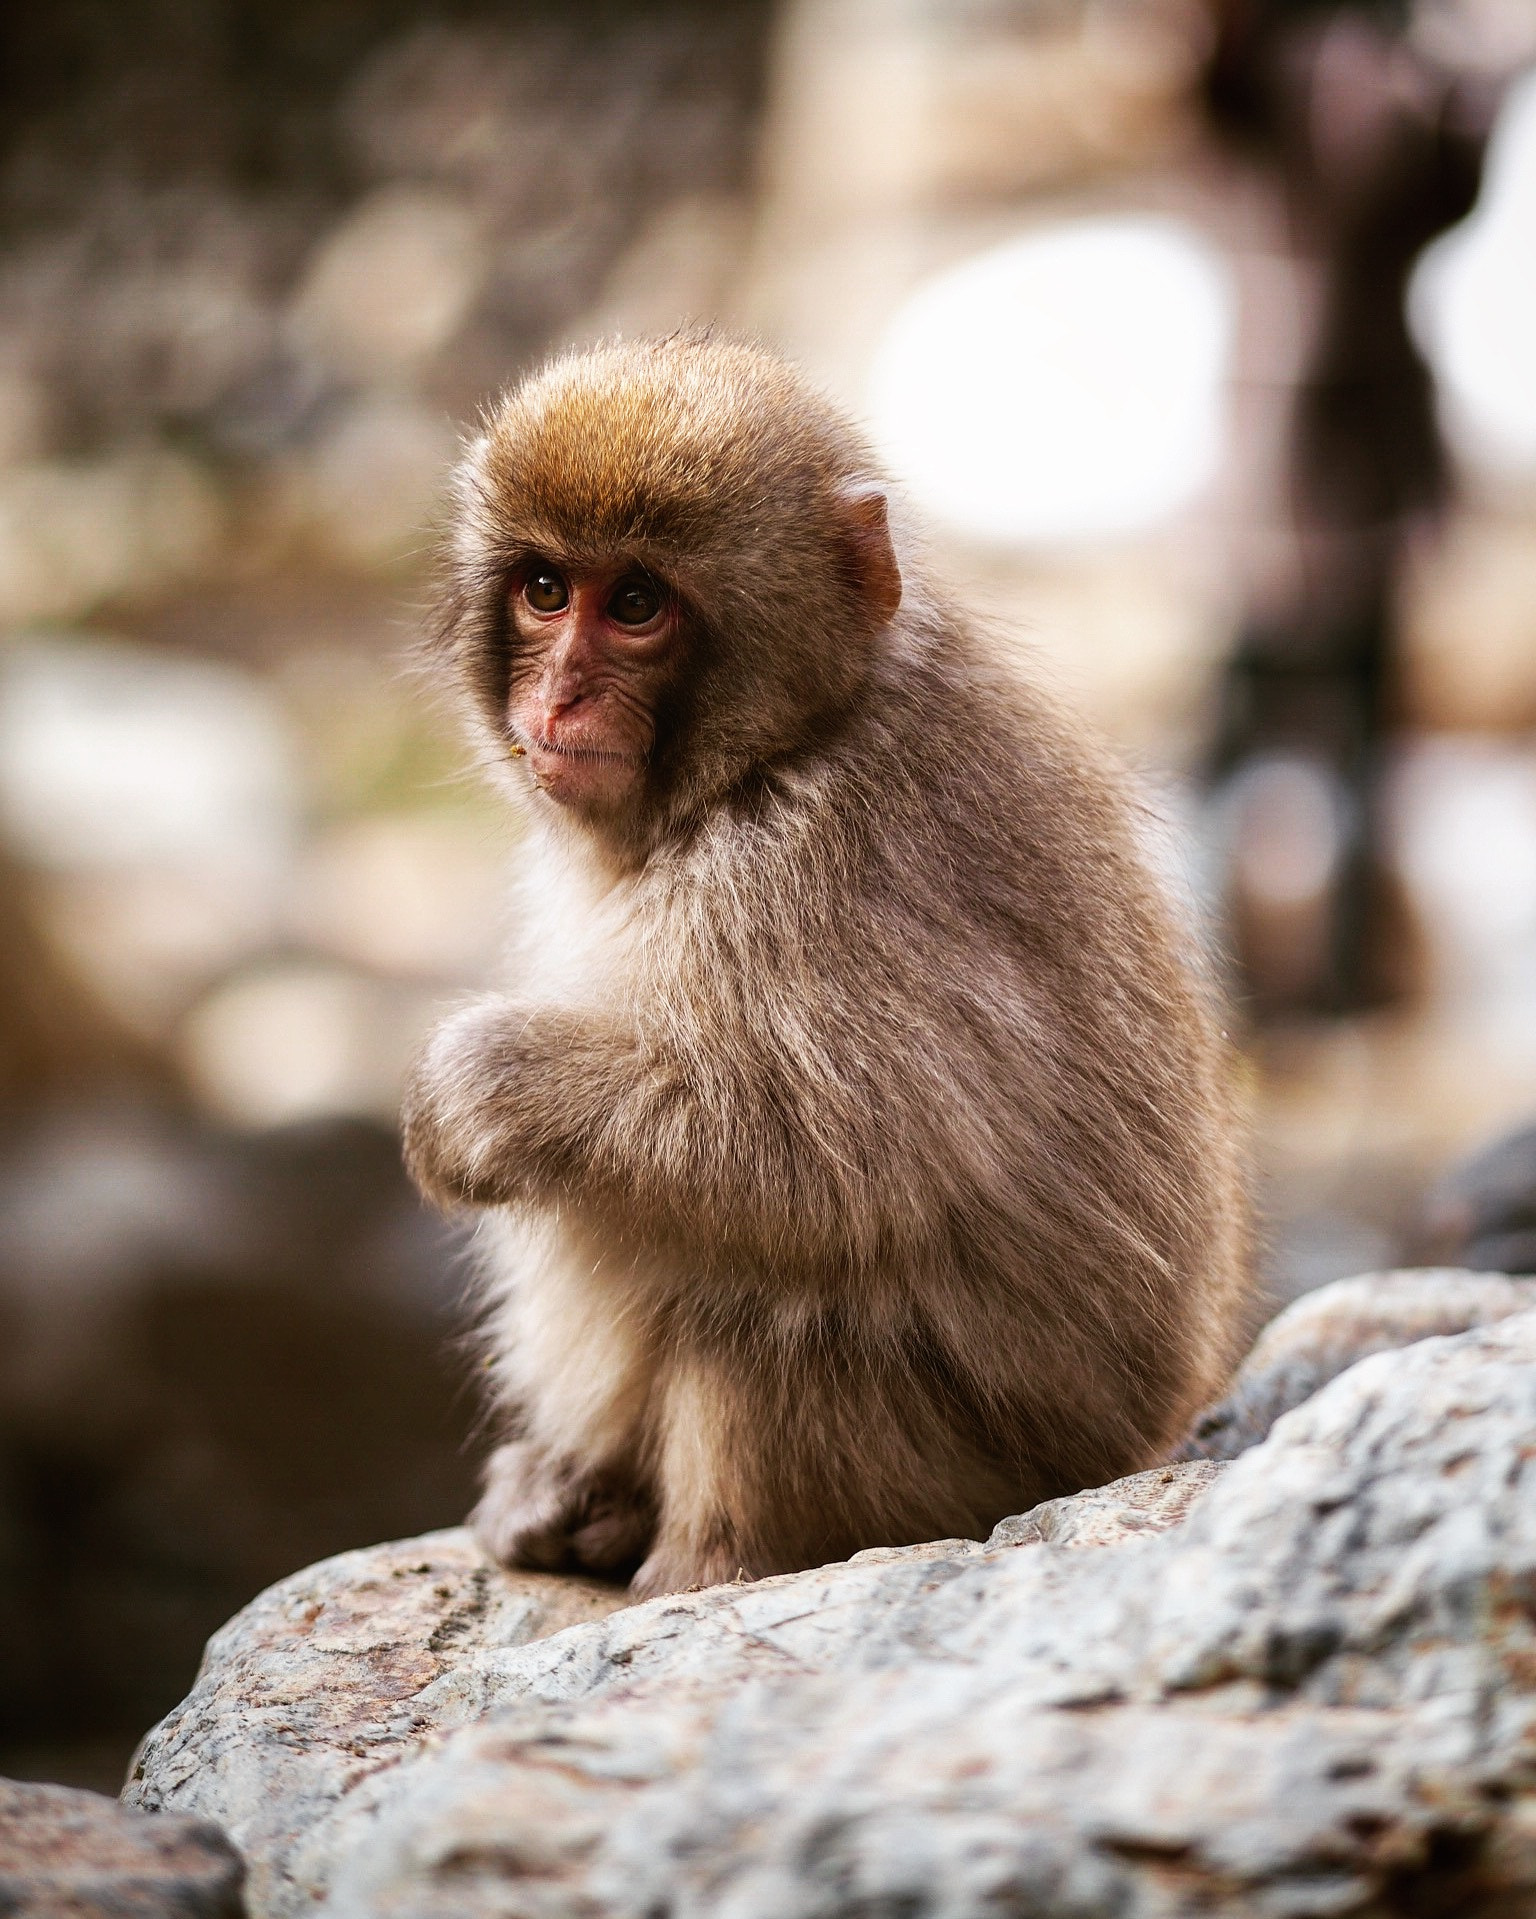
(867, 541)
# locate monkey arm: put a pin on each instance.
(512, 1104)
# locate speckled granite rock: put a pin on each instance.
(1314, 1697)
(78, 1855)
(1148, 1502)
(1323, 1332)
(311, 1696)
(328, 1677)
(1298, 1686)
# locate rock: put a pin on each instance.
(1324, 1332)
(1303, 1683)
(1482, 1212)
(1315, 1696)
(335, 1675)
(331, 1676)
(77, 1855)
(1148, 1502)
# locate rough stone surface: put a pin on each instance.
(1295, 1686)
(77, 1855)
(1326, 1331)
(330, 1676)
(1315, 1696)
(323, 1684)
(1148, 1502)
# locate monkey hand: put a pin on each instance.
(458, 1114)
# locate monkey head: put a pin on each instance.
(669, 563)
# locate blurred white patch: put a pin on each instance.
(74, 534)
(1464, 818)
(1282, 823)
(1167, 823)
(113, 755)
(1472, 302)
(410, 895)
(677, 270)
(157, 799)
(1066, 387)
(299, 1041)
(1286, 817)
(368, 490)
(26, 411)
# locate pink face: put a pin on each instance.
(596, 650)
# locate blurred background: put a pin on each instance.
(1204, 334)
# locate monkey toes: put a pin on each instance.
(675, 1568)
(550, 1516)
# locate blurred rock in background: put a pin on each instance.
(258, 268)
(222, 1356)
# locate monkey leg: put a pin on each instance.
(573, 1371)
(750, 1476)
(705, 1446)
(800, 1446)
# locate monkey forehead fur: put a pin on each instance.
(689, 448)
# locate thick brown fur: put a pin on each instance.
(856, 1132)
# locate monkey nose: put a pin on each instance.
(558, 705)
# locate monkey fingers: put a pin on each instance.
(453, 1114)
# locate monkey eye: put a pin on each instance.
(545, 591)
(634, 601)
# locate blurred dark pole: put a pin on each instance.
(1376, 151)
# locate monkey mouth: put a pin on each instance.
(578, 773)
(602, 755)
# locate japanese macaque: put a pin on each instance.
(854, 1131)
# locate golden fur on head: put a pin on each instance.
(619, 450)
(860, 1145)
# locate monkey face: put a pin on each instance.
(669, 565)
(594, 651)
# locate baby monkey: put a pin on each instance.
(854, 1133)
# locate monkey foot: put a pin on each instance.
(675, 1569)
(549, 1516)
